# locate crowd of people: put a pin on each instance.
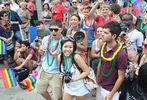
(109, 36)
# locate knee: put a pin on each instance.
(19, 61)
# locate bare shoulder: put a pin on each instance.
(77, 57)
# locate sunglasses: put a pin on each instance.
(5, 15)
(145, 45)
(54, 29)
(68, 38)
(74, 2)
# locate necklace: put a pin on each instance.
(141, 27)
(91, 24)
(67, 68)
(112, 66)
(7, 29)
(115, 53)
(51, 50)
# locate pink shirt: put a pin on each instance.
(60, 11)
(135, 11)
(29, 6)
(101, 21)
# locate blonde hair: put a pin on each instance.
(105, 6)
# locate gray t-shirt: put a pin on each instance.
(43, 33)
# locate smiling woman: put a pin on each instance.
(70, 73)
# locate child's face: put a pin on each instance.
(55, 31)
(67, 48)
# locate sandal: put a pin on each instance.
(94, 94)
(22, 85)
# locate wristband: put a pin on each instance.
(76, 79)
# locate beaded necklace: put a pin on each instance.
(112, 67)
(51, 49)
(67, 68)
(115, 53)
(141, 27)
(7, 29)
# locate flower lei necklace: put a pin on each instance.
(112, 66)
(115, 53)
(51, 49)
(7, 29)
(141, 27)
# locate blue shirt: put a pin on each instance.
(54, 68)
(141, 7)
(13, 16)
(3, 33)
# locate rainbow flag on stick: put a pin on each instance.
(31, 82)
(8, 77)
(134, 2)
(3, 47)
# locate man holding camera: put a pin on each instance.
(135, 37)
(42, 31)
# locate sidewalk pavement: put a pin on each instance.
(16, 93)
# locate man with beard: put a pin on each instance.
(113, 63)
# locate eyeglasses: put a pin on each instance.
(54, 29)
(145, 45)
(74, 2)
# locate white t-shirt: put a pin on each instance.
(136, 39)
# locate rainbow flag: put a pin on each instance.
(8, 77)
(3, 47)
(31, 82)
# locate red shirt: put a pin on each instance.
(101, 21)
(60, 11)
(31, 51)
(135, 11)
(120, 64)
(29, 6)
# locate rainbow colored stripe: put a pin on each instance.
(8, 77)
(31, 82)
(3, 47)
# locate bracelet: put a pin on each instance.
(76, 79)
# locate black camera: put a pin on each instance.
(37, 42)
(66, 76)
(123, 34)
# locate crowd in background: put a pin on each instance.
(87, 21)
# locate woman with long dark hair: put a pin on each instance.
(73, 70)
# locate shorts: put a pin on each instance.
(45, 80)
(101, 93)
(34, 63)
(4, 57)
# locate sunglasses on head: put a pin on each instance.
(54, 29)
(145, 45)
(69, 38)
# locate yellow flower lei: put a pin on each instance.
(115, 53)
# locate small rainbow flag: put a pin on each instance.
(8, 77)
(31, 82)
(3, 47)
